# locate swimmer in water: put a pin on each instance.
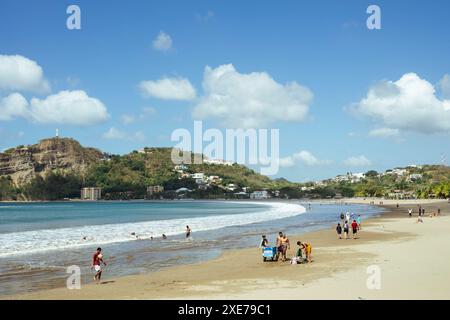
(188, 232)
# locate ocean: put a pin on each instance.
(38, 241)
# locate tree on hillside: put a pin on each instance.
(7, 190)
(371, 174)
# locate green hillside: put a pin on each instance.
(56, 169)
(128, 176)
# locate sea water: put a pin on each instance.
(38, 241)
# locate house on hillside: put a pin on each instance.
(415, 176)
(214, 180)
(180, 168)
(398, 172)
(259, 195)
(218, 162)
(199, 177)
(400, 195)
(151, 190)
(91, 193)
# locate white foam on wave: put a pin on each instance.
(35, 241)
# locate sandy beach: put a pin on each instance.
(411, 259)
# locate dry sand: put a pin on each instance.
(413, 260)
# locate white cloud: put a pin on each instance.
(384, 132)
(359, 161)
(304, 157)
(20, 73)
(308, 158)
(163, 42)
(287, 162)
(408, 104)
(116, 134)
(65, 107)
(13, 106)
(250, 100)
(444, 85)
(168, 89)
(68, 107)
(127, 119)
(146, 112)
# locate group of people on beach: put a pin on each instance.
(348, 221)
(283, 245)
(421, 213)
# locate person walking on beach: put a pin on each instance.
(358, 221)
(97, 260)
(354, 228)
(339, 230)
(346, 229)
(188, 232)
(410, 212)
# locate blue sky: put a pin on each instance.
(322, 46)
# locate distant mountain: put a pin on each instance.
(24, 163)
(282, 180)
(57, 168)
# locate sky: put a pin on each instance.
(344, 97)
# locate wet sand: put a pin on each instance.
(413, 259)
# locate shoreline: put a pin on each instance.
(240, 273)
(354, 200)
(263, 206)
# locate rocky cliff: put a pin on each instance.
(23, 163)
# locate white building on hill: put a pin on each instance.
(219, 162)
(259, 195)
(92, 193)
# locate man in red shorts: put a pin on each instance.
(97, 260)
